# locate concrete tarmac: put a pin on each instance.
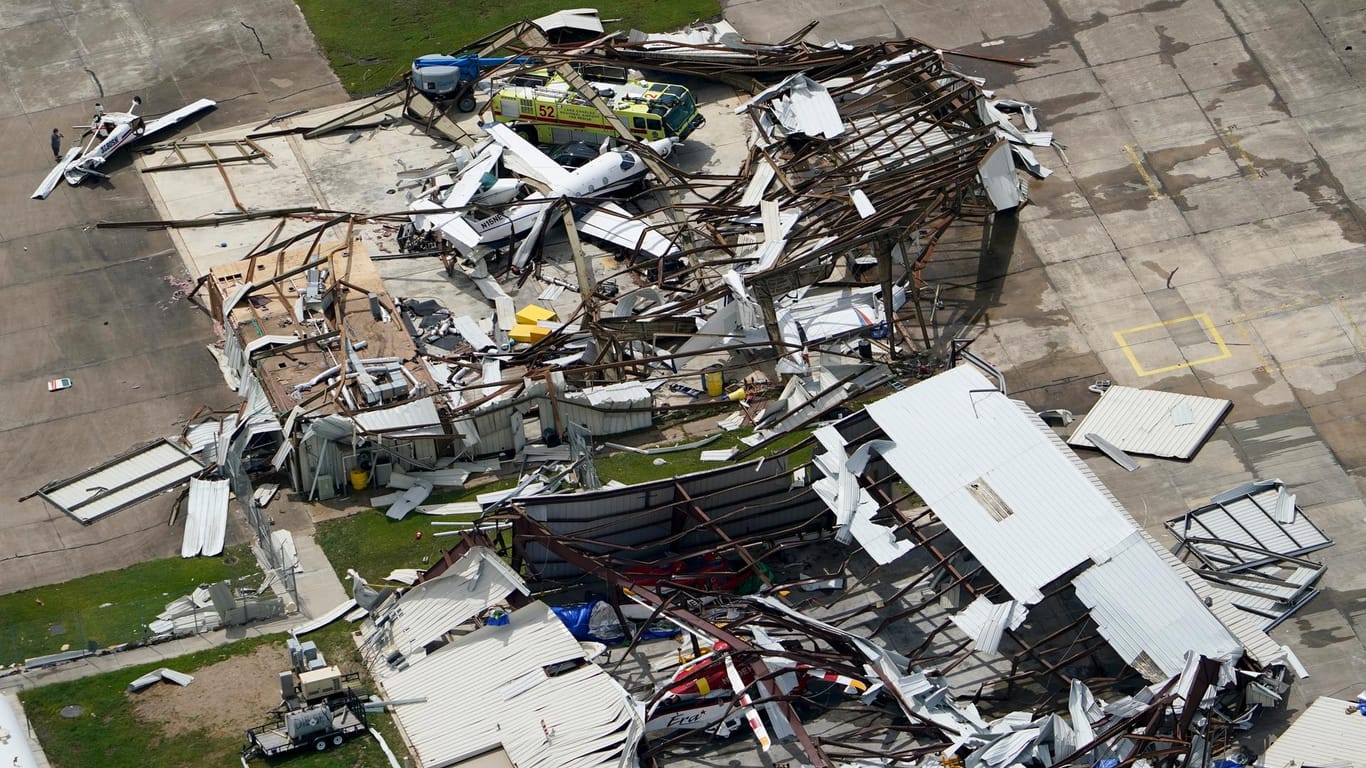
(1202, 233)
(100, 306)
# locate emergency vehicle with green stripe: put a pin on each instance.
(555, 113)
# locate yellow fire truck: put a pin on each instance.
(552, 112)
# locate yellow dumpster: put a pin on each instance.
(359, 479)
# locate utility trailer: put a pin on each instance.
(318, 728)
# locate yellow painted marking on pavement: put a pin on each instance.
(1143, 172)
(1202, 318)
(1237, 147)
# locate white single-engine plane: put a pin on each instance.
(474, 236)
(109, 132)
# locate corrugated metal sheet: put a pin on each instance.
(1150, 422)
(206, 518)
(1142, 607)
(1248, 519)
(1245, 627)
(426, 612)
(414, 418)
(488, 690)
(957, 439)
(750, 498)
(122, 482)
(1329, 732)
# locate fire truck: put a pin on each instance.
(552, 112)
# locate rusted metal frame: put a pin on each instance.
(910, 117)
(955, 654)
(973, 591)
(214, 222)
(926, 576)
(543, 536)
(692, 507)
(938, 594)
(310, 232)
(915, 653)
(895, 755)
(208, 147)
(658, 611)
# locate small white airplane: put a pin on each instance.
(109, 132)
(474, 236)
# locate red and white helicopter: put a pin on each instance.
(109, 132)
(701, 695)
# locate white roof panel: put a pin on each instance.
(414, 418)
(973, 457)
(1166, 424)
(489, 690)
(1004, 483)
(1329, 732)
(1162, 620)
(431, 609)
(122, 482)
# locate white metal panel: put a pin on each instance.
(210, 498)
(431, 609)
(122, 482)
(487, 690)
(414, 418)
(1329, 732)
(1247, 628)
(956, 430)
(1148, 421)
(1140, 606)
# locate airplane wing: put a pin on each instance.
(54, 176)
(171, 118)
(612, 223)
(530, 161)
(472, 177)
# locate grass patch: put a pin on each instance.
(109, 734)
(374, 545)
(371, 44)
(40, 621)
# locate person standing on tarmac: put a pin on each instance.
(57, 144)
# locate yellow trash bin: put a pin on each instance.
(714, 382)
(359, 479)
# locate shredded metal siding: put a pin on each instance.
(1148, 422)
(122, 482)
(1329, 732)
(487, 690)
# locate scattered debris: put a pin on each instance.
(151, 678)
